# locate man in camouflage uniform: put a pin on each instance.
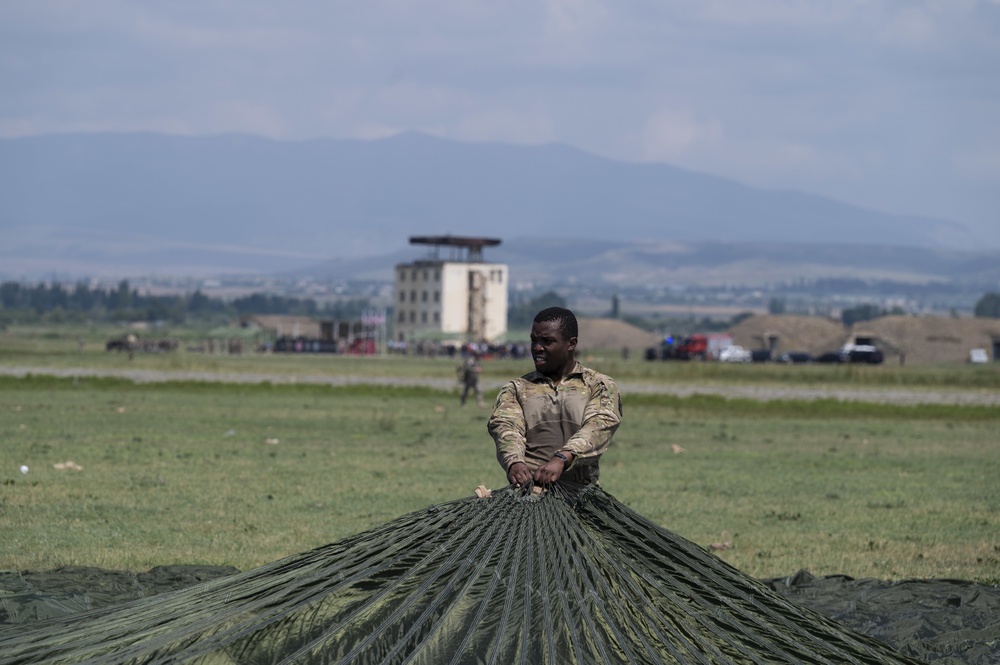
(556, 422)
(468, 374)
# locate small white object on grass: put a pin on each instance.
(24, 468)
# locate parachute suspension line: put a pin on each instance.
(713, 595)
(621, 589)
(518, 540)
(508, 526)
(735, 601)
(457, 545)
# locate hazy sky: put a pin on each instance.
(890, 104)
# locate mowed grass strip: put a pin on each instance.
(58, 347)
(245, 474)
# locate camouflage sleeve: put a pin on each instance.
(601, 418)
(506, 426)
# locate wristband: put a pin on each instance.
(563, 458)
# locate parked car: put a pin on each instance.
(978, 356)
(795, 357)
(861, 353)
(828, 357)
(734, 353)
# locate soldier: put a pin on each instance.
(469, 376)
(131, 343)
(556, 422)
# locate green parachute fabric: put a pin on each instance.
(514, 578)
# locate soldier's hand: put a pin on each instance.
(549, 472)
(518, 473)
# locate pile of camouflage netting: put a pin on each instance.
(508, 579)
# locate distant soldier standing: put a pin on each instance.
(469, 375)
(556, 422)
(132, 343)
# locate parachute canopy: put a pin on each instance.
(512, 578)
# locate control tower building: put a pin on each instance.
(452, 295)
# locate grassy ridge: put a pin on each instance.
(242, 474)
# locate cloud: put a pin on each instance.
(520, 126)
(574, 20)
(671, 133)
(830, 96)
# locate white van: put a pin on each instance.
(978, 356)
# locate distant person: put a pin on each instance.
(132, 343)
(553, 424)
(469, 376)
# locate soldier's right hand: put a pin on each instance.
(518, 473)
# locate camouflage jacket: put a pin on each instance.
(533, 419)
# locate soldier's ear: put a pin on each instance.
(572, 343)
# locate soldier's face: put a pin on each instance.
(551, 351)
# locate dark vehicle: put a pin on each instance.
(828, 357)
(132, 343)
(861, 353)
(795, 358)
(667, 350)
(117, 344)
(304, 345)
(760, 356)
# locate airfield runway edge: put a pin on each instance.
(963, 397)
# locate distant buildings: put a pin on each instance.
(456, 299)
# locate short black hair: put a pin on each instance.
(565, 318)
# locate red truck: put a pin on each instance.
(702, 346)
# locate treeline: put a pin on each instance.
(521, 311)
(989, 306)
(57, 303)
(842, 285)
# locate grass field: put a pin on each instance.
(219, 473)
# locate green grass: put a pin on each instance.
(186, 472)
(875, 494)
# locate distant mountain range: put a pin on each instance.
(548, 261)
(142, 204)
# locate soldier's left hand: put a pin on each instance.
(549, 472)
